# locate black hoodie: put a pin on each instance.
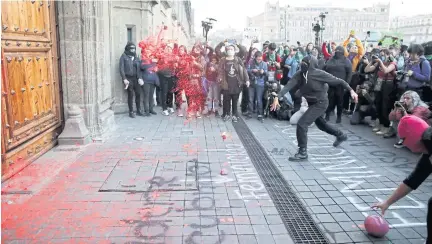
(315, 88)
(339, 66)
(129, 63)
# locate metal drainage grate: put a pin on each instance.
(296, 218)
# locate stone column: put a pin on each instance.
(85, 62)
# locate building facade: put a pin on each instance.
(415, 29)
(60, 63)
(295, 23)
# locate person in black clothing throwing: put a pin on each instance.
(313, 83)
(340, 67)
(129, 64)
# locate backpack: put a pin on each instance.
(430, 64)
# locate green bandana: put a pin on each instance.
(272, 57)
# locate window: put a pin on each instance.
(129, 34)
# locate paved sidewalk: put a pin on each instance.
(339, 184)
(156, 180)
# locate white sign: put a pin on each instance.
(252, 33)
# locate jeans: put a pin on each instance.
(148, 101)
(314, 114)
(213, 96)
(166, 84)
(335, 96)
(230, 103)
(256, 94)
(134, 87)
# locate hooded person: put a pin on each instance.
(340, 67)
(232, 75)
(313, 84)
(417, 136)
(129, 72)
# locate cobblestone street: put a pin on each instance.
(168, 180)
(156, 180)
(338, 185)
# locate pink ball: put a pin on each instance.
(376, 226)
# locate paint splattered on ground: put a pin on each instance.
(166, 187)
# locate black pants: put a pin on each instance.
(383, 102)
(134, 87)
(336, 99)
(230, 102)
(166, 84)
(148, 91)
(314, 114)
(245, 100)
(297, 99)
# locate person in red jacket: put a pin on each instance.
(325, 50)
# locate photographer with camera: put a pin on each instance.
(383, 88)
(409, 103)
(362, 82)
(257, 71)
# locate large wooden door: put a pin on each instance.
(31, 102)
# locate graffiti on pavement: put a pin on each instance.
(340, 166)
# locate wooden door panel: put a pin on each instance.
(30, 94)
(25, 17)
(31, 109)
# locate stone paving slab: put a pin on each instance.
(148, 153)
(338, 185)
(132, 176)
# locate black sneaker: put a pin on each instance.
(217, 114)
(338, 119)
(234, 119)
(132, 114)
(399, 144)
(140, 114)
(299, 156)
(153, 112)
(340, 139)
(147, 115)
(225, 118)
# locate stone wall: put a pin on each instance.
(93, 35)
(84, 48)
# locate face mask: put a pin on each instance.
(304, 67)
(131, 51)
(230, 53)
(272, 56)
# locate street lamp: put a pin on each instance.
(317, 28)
(207, 25)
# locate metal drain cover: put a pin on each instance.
(297, 220)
